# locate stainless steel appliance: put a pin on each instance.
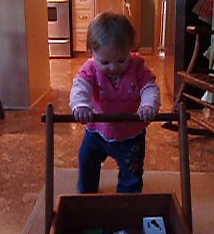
(59, 28)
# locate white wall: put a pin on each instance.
(24, 60)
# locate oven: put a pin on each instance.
(59, 28)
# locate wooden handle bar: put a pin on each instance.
(161, 117)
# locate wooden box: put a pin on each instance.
(78, 213)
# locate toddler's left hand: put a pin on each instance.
(147, 113)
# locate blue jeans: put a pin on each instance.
(129, 155)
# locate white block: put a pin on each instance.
(153, 225)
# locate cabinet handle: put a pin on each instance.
(57, 1)
(82, 17)
(81, 40)
(58, 41)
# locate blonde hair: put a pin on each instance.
(110, 29)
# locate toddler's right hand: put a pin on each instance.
(83, 114)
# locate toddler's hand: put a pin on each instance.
(147, 113)
(83, 115)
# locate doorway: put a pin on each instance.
(164, 27)
(158, 26)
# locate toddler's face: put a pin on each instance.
(111, 61)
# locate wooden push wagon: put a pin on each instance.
(82, 212)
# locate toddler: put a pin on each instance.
(113, 81)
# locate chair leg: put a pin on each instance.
(178, 97)
(2, 113)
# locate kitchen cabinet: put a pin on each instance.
(83, 11)
(82, 14)
(24, 59)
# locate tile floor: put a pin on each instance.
(22, 143)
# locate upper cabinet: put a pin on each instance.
(83, 11)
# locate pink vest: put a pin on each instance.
(122, 100)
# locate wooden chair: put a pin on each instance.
(198, 78)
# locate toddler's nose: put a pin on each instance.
(113, 67)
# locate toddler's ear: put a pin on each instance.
(89, 53)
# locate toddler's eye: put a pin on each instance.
(121, 61)
(104, 62)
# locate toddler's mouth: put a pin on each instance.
(112, 75)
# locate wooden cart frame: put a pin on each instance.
(181, 117)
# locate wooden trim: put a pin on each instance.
(146, 50)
